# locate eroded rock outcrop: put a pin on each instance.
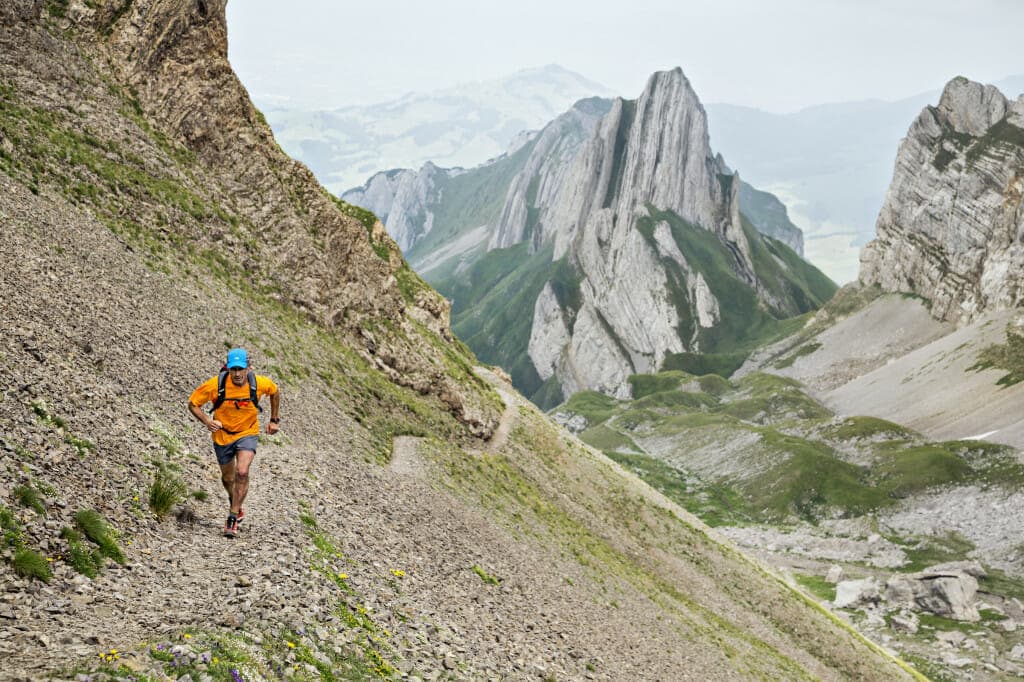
(952, 226)
(171, 151)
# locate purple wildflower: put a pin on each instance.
(236, 676)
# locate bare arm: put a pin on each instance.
(197, 412)
(275, 413)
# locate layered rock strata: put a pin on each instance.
(952, 226)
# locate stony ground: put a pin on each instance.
(521, 558)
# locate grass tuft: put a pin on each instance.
(29, 498)
(165, 492)
(97, 530)
(88, 562)
(31, 564)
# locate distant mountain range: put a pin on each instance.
(829, 164)
(461, 126)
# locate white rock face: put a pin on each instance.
(549, 334)
(594, 361)
(952, 225)
(535, 188)
(402, 199)
(653, 152)
(856, 592)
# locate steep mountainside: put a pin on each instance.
(462, 126)
(414, 519)
(618, 238)
(952, 226)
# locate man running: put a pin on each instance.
(235, 425)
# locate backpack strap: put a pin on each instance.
(253, 395)
(222, 380)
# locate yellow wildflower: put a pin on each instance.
(291, 645)
(398, 573)
(187, 636)
(343, 576)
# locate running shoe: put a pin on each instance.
(240, 516)
(231, 526)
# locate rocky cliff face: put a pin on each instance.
(612, 291)
(134, 99)
(640, 297)
(402, 200)
(952, 226)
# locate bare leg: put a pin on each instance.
(227, 477)
(242, 463)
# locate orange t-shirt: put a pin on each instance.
(236, 413)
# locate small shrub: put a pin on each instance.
(39, 407)
(97, 530)
(485, 576)
(165, 492)
(31, 564)
(29, 498)
(10, 527)
(88, 562)
(200, 495)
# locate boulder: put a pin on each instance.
(856, 592)
(834, 575)
(950, 594)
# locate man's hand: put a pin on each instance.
(272, 428)
(214, 426)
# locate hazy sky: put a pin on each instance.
(778, 55)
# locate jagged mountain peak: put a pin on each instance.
(952, 224)
(971, 107)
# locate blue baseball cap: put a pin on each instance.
(237, 357)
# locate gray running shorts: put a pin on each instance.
(226, 453)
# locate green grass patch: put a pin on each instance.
(82, 558)
(858, 428)
(607, 439)
(165, 491)
(809, 482)
(918, 468)
(593, 406)
(805, 349)
(715, 385)
(31, 564)
(96, 529)
(646, 384)
(997, 582)
(676, 401)
(816, 585)
(485, 576)
(930, 550)
(714, 505)
(720, 364)
(28, 497)
(939, 623)
(1008, 356)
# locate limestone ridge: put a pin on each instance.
(401, 199)
(408, 202)
(533, 193)
(566, 220)
(952, 225)
(648, 154)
